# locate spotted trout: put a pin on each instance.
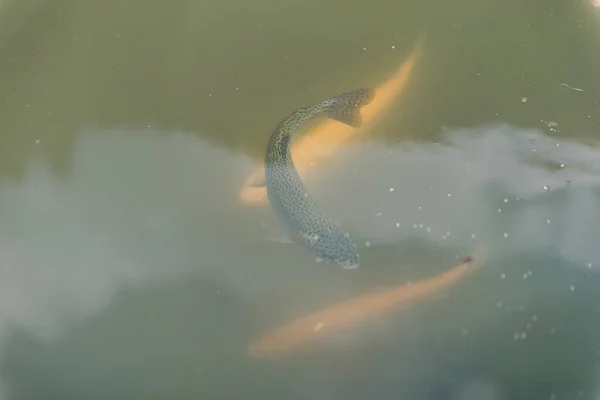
(321, 141)
(305, 221)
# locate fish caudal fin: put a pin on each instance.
(346, 106)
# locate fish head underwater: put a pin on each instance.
(334, 246)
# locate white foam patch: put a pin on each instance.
(117, 218)
(545, 188)
(143, 206)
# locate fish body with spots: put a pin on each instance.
(306, 222)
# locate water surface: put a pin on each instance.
(130, 269)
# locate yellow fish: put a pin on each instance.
(290, 337)
(322, 141)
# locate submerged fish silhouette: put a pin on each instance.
(338, 317)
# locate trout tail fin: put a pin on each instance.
(346, 107)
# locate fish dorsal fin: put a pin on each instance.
(346, 106)
(348, 115)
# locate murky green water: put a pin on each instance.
(130, 270)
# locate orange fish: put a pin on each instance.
(320, 142)
(302, 331)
